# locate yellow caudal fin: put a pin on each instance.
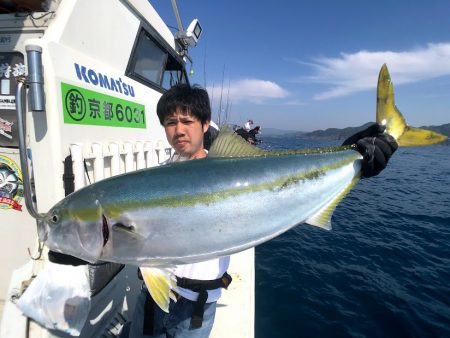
(389, 115)
(160, 283)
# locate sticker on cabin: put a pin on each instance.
(11, 67)
(88, 107)
(6, 128)
(7, 101)
(11, 187)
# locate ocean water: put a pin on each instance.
(384, 269)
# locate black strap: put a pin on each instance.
(86, 170)
(149, 315)
(199, 309)
(68, 176)
(60, 258)
(196, 285)
(201, 286)
(69, 187)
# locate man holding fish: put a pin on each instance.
(185, 114)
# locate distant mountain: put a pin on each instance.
(273, 132)
(336, 134)
(330, 133)
(443, 129)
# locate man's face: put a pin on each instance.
(185, 134)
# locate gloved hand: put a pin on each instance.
(375, 147)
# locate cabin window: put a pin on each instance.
(152, 64)
(150, 60)
(173, 74)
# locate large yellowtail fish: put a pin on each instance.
(198, 210)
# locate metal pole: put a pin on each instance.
(21, 125)
(177, 15)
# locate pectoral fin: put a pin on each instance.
(121, 239)
(322, 218)
(160, 283)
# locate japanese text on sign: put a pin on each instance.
(6, 70)
(83, 106)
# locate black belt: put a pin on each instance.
(201, 286)
(196, 285)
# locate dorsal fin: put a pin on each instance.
(230, 144)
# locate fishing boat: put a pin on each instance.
(79, 83)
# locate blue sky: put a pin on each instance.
(313, 64)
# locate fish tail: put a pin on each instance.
(392, 118)
(160, 283)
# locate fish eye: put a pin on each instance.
(55, 218)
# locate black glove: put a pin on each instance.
(375, 147)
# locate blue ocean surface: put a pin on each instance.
(384, 269)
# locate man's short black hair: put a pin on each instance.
(190, 99)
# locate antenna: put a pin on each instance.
(177, 15)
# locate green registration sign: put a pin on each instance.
(87, 107)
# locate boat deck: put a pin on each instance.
(235, 316)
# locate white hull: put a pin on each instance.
(87, 48)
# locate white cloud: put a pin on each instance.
(356, 72)
(251, 90)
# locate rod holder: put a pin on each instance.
(21, 127)
(35, 79)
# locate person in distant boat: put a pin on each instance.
(185, 114)
(248, 125)
(242, 133)
(249, 136)
(252, 135)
